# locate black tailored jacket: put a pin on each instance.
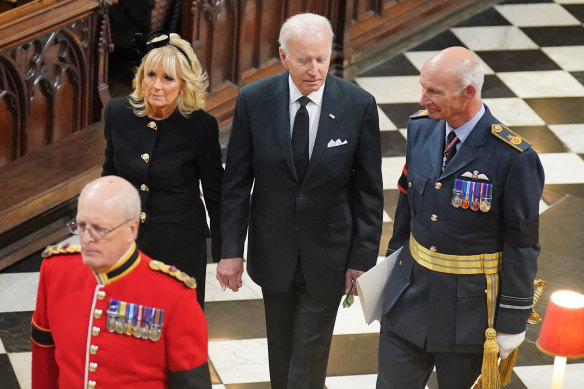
(330, 221)
(167, 164)
(453, 315)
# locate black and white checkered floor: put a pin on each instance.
(533, 51)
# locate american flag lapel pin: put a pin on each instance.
(332, 116)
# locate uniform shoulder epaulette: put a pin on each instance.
(183, 277)
(506, 135)
(420, 114)
(61, 249)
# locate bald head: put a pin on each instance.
(461, 64)
(112, 194)
(107, 220)
(451, 85)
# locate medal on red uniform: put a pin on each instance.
(112, 315)
(135, 320)
(156, 326)
(121, 319)
(138, 328)
(145, 331)
(131, 322)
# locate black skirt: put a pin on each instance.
(176, 245)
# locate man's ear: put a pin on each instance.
(470, 91)
(283, 56)
(134, 224)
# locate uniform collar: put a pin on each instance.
(124, 266)
(464, 131)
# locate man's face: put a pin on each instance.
(441, 94)
(307, 60)
(102, 254)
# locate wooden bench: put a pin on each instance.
(38, 192)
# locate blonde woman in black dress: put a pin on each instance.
(163, 142)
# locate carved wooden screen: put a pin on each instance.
(50, 69)
(236, 40)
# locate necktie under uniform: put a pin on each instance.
(450, 150)
(300, 138)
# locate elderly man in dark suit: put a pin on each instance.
(467, 217)
(309, 145)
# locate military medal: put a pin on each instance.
(486, 197)
(130, 328)
(473, 194)
(457, 193)
(145, 332)
(156, 326)
(121, 319)
(112, 314)
(138, 328)
(464, 204)
(485, 205)
(474, 204)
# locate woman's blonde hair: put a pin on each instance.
(175, 64)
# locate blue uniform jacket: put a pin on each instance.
(448, 312)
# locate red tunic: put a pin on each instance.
(72, 347)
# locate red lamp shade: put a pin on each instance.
(562, 331)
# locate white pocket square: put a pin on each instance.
(335, 143)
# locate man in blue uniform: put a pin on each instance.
(467, 217)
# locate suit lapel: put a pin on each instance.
(330, 118)
(435, 153)
(279, 114)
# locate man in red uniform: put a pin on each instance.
(107, 316)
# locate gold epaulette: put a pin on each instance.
(506, 135)
(421, 113)
(183, 277)
(61, 249)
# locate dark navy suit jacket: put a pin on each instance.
(332, 220)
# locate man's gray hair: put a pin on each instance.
(472, 72)
(304, 24)
(129, 203)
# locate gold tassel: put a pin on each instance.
(505, 370)
(534, 317)
(478, 384)
(489, 371)
(506, 367)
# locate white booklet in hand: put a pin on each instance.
(370, 287)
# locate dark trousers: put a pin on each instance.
(300, 330)
(402, 364)
(176, 245)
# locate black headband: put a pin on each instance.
(143, 44)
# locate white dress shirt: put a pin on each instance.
(313, 107)
(463, 131)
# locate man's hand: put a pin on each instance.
(229, 272)
(508, 342)
(351, 281)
